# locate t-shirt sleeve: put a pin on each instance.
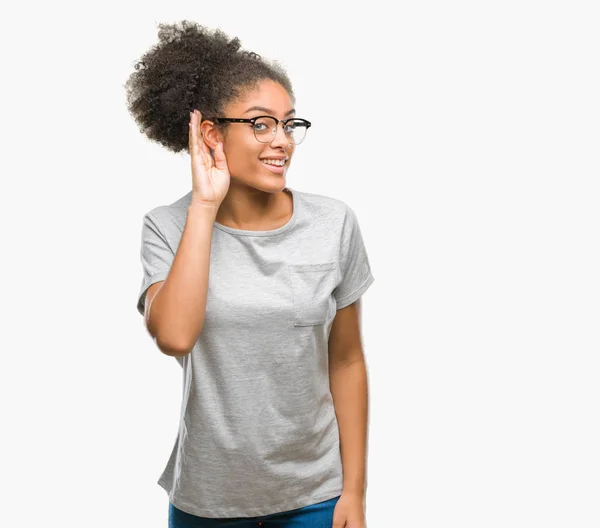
(355, 270)
(156, 256)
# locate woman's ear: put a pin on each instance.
(210, 134)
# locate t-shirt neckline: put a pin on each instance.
(270, 232)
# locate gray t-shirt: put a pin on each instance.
(258, 432)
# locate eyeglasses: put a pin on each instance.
(265, 127)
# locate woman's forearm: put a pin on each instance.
(349, 388)
(177, 312)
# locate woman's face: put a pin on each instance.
(243, 151)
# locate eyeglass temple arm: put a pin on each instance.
(239, 120)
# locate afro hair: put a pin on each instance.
(192, 67)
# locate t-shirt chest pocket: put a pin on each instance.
(312, 286)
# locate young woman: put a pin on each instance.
(254, 288)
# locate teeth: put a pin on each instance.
(280, 163)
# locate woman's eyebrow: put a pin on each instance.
(268, 110)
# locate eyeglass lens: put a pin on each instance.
(264, 130)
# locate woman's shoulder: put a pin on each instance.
(175, 211)
(321, 204)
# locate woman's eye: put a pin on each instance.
(259, 125)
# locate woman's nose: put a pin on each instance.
(280, 137)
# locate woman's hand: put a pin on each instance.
(210, 178)
(349, 511)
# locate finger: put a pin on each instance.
(190, 134)
(199, 137)
(197, 151)
(198, 159)
(201, 143)
(338, 521)
(194, 147)
(220, 159)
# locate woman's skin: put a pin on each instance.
(237, 190)
(240, 192)
(254, 200)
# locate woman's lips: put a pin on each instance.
(275, 168)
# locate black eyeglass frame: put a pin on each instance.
(253, 119)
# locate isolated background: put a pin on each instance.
(464, 135)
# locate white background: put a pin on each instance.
(463, 134)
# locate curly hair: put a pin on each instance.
(192, 67)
